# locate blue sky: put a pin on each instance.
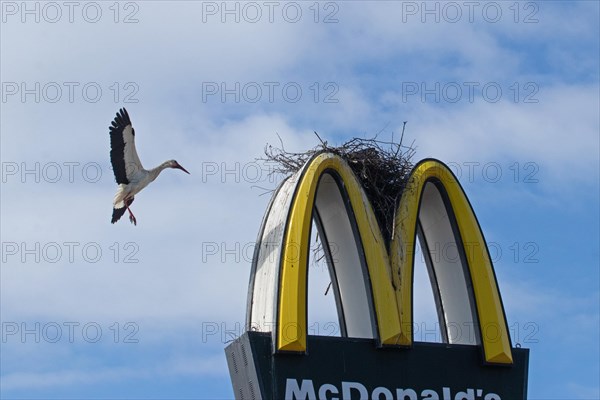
(507, 94)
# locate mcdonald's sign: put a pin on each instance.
(376, 356)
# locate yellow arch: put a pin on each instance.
(391, 276)
(292, 324)
(497, 348)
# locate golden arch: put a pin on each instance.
(277, 295)
(489, 310)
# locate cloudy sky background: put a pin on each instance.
(168, 293)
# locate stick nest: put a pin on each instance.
(381, 167)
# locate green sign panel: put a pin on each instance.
(355, 369)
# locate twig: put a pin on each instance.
(322, 142)
(381, 167)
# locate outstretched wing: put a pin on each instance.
(123, 156)
(118, 212)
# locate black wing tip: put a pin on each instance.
(121, 120)
(125, 115)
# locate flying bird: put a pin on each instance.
(129, 172)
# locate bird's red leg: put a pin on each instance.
(132, 217)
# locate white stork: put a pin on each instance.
(129, 172)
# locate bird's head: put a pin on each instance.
(175, 164)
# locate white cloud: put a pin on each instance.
(559, 133)
(583, 391)
(191, 367)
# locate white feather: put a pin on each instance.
(133, 166)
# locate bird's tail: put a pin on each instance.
(119, 199)
(119, 211)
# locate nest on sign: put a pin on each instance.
(381, 167)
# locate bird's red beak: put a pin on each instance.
(183, 169)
